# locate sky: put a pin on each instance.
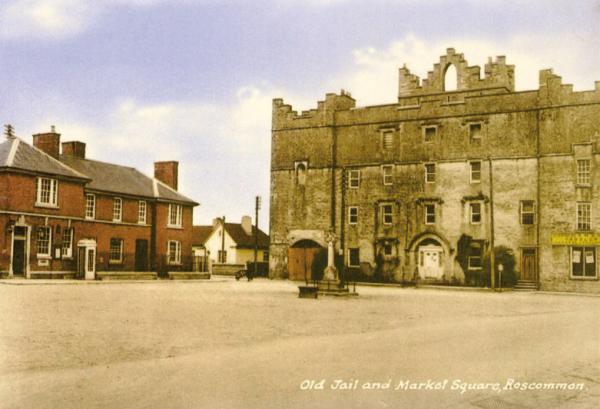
(192, 80)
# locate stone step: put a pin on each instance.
(188, 275)
(126, 275)
(52, 275)
(525, 285)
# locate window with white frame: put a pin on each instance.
(115, 251)
(354, 178)
(475, 171)
(142, 212)
(90, 206)
(584, 216)
(386, 172)
(47, 192)
(475, 212)
(353, 257)
(429, 133)
(67, 243)
(527, 212)
(475, 133)
(174, 253)
(387, 216)
(117, 209)
(222, 256)
(352, 215)
(387, 139)
(429, 213)
(583, 262)
(175, 215)
(583, 171)
(430, 173)
(474, 259)
(44, 241)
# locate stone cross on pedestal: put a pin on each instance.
(330, 273)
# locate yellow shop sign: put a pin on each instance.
(575, 239)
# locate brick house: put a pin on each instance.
(428, 185)
(65, 215)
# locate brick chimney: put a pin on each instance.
(167, 172)
(48, 142)
(247, 225)
(74, 148)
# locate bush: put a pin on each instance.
(505, 256)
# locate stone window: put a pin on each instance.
(174, 252)
(475, 171)
(142, 212)
(583, 262)
(90, 206)
(527, 212)
(584, 216)
(430, 173)
(387, 216)
(387, 139)
(115, 251)
(353, 257)
(583, 171)
(386, 171)
(430, 213)
(175, 215)
(352, 215)
(475, 212)
(117, 209)
(301, 168)
(67, 243)
(47, 192)
(475, 133)
(44, 240)
(429, 133)
(387, 249)
(451, 78)
(354, 178)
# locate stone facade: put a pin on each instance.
(401, 184)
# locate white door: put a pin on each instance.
(90, 263)
(430, 262)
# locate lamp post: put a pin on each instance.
(256, 208)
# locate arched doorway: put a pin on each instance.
(301, 256)
(430, 259)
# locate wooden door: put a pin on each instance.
(141, 255)
(300, 260)
(529, 270)
(18, 258)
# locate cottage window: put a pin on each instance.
(44, 239)
(386, 171)
(387, 214)
(90, 206)
(175, 215)
(430, 173)
(222, 255)
(117, 209)
(583, 262)
(352, 215)
(584, 216)
(583, 171)
(430, 213)
(429, 133)
(527, 212)
(142, 212)
(67, 243)
(174, 252)
(475, 171)
(354, 178)
(475, 212)
(475, 134)
(353, 257)
(47, 192)
(115, 251)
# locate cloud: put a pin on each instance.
(374, 77)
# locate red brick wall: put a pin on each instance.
(183, 235)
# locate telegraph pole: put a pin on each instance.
(492, 251)
(222, 258)
(256, 208)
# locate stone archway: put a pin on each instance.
(430, 257)
(301, 256)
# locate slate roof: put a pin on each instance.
(17, 154)
(108, 177)
(200, 234)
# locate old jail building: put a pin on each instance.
(65, 215)
(421, 185)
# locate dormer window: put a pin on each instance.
(47, 192)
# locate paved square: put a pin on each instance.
(228, 344)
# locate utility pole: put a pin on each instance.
(492, 252)
(222, 258)
(256, 208)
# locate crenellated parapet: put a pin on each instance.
(468, 78)
(284, 116)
